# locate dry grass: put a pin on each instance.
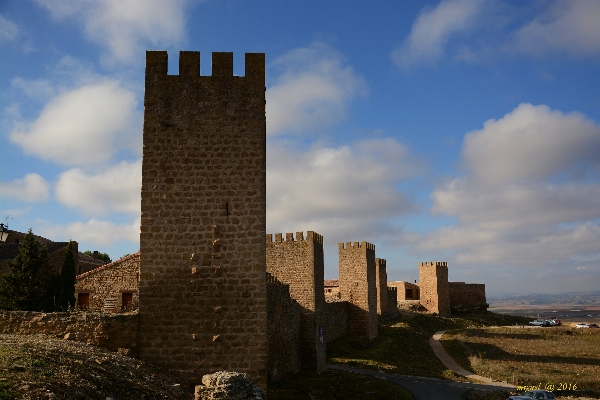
(546, 356)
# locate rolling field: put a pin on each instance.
(555, 358)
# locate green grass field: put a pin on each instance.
(555, 357)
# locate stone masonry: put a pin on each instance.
(433, 284)
(299, 263)
(202, 275)
(110, 288)
(382, 295)
(357, 280)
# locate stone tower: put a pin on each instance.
(299, 263)
(382, 292)
(202, 274)
(357, 280)
(434, 287)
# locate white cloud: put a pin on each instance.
(349, 190)
(433, 29)
(32, 188)
(531, 143)
(93, 232)
(312, 91)
(83, 126)
(125, 27)
(41, 89)
(531, 195)
(116, 189)
(8, 30)
(567, 26)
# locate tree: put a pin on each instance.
(66, 290)
(99, 256)
(29, 285)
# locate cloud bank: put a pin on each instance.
(530, 195)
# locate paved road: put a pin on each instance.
(423, 388)
(439, 351)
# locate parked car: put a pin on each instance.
(540, 394)
(519, 398)
(537, 322)
(582, 325)
(555, 321)
(593, 326)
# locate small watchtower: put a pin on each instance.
(298, 262)
(202, 274)
(358, 286)
(434, 287)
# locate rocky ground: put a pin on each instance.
(42, 367)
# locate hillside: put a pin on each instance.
(42, 367)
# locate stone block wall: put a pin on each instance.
(357, 280)
(336, 320)
(381, 283)
(107, 286)
(434, 288)
(298, 262)
(283, 330)
(467, 297)
(203, 298)
(111, 331)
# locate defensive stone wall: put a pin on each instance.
(336, 320)
(381, 282)
(110, 288)
(116, 332)
(467, 297)
(434, 288)
(298, 262)
(203, 298)
(283, 324)
(357, 280)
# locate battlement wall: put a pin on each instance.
(356, 246)
(358, 286)
(189, 66)
(299, 263)
(467, 296)
(289, 237)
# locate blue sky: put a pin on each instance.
(458, 131)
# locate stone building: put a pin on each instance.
(203, 296)
(437, 295)
(111, 287)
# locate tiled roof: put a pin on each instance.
(105, 266)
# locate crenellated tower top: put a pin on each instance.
(289, 237)
(189, 66)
